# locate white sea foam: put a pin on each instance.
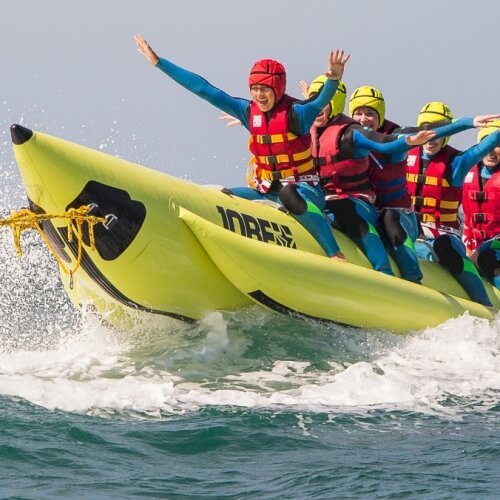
(94, 373)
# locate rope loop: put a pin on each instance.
(24, 219)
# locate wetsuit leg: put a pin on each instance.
(400, 229)
(294, 200)
(357, 219)
(488, 260)
(451, 254)
(306, 203)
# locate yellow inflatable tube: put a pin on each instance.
(151, 258)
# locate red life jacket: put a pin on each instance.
(435, 201)
(481, 205)
(389, 182)
(278, 153)
(340, 176)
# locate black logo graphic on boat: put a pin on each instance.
(124, 218)
(256, 228)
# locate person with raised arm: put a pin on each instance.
(397, 223)
(342, 150)
(481, 207)
(435, 175)
(280, 141)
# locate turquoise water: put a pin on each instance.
(241, 405)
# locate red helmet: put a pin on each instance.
(269, 73)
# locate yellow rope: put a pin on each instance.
(24, 219)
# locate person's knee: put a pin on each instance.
(392, 228)
(488, 263)
(292, 200)
(448, 255)
(347, 218)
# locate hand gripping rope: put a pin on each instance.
(24, 219)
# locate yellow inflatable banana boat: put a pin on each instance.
(173, 248)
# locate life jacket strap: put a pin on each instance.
(276, 175)
(425, 179)
(275, 138)
(420, 201)
(284, 158)
(442, 218)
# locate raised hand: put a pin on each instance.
(484, 120)
(336, 62)
(303, 88)
(420, 138)
(144, 48)
(231, 120)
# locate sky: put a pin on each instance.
(70, 68)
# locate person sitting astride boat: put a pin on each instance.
(279, 136)
(341, 150)
(435, 175)
(481, 206)
(397, 223)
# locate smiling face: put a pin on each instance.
(263, 96)
(323, 117)
(367, 117)
(492, 159)
(434, 146)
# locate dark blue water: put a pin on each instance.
(234, 452)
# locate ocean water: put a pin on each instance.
(240, 405)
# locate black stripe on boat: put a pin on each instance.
(267, 301)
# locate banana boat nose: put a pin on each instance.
(20, 134)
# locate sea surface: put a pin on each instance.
(241, 405)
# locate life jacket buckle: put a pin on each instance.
(479, 196)
(420, 179)
(479, 217)
(272, 160)
(418, 201)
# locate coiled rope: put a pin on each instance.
(24, 219)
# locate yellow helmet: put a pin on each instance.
(486, 131)
(337, 102)
(370, 97)
(433, 112)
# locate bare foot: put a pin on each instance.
(339, 256)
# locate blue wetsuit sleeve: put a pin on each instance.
(233, 106)
(456, 126)
(398, 148)
(307, 111)
(366, 141)
(463, 162)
